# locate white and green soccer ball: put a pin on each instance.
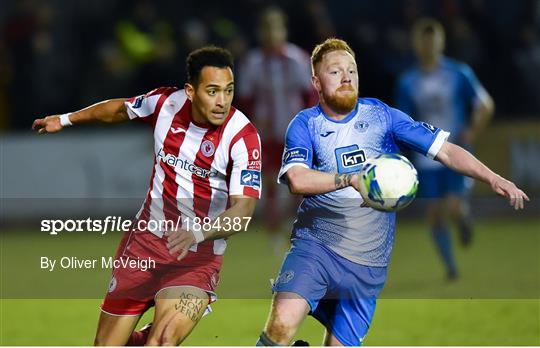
(388, 182)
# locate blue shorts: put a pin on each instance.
(440, 182)
(342, 294)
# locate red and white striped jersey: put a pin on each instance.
(196, 167)
(273, 87)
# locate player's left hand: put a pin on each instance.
(179, 242)
(509, 190)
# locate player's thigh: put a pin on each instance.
(287, 313)
(436, 213)
(347, 315)
(453, 204)
(456, 192)
(114, 330)
(178, 310)
(431, 191)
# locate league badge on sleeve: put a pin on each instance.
(251, 178)
(137, 103)
(296, 154)
(429, 127)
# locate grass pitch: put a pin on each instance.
(495, 301)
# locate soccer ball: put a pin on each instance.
(388, 182)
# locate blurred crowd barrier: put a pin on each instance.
(75, 173)
(109, 171)
(512, 149)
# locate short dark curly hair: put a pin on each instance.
(207, 56)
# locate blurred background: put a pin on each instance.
(59, 56)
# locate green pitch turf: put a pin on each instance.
(495, 301)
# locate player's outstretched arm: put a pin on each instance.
(462, 161)
(108, 111)
(233, 220)
(305, 181)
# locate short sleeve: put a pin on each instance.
(144, 106)
(472, 90)
(298, 147)
(246, 178)
(418, 136)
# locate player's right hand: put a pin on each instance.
(179, 242)
(49, 124)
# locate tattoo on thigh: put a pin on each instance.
(190, 305)
(342, 180)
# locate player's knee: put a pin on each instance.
(281, 326)
(152, 341)
(170, 341)
(100, 341)
(172, 337)
(169, 332)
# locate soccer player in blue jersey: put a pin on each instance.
(338, 260)
(445, 93)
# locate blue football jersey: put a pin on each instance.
(313, 140)
(442, 97)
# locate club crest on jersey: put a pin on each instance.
(285, 277)
(138, 102)
(296, 154)
(349, 159)
(112, 284)
(208, 148)
(250, 178)
(429, 127)
(361, 126)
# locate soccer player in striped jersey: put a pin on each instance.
(207, 165)
(274, 83)
(338, 260)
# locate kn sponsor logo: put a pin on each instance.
(349, 159)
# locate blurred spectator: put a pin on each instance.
(527, 61)
(446, 94)
(274, 84)
(66, 44)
